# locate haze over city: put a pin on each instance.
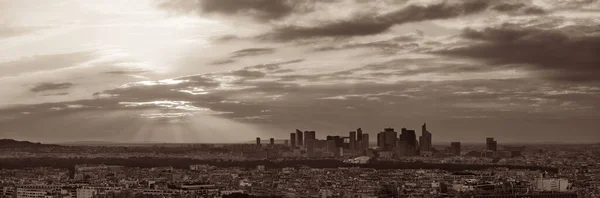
(219, 71)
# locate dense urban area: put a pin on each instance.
(397, 164)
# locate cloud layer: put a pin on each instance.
(568, 53)
(233, 70)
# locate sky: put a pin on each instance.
(218, 71)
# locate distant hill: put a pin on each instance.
(10, 143)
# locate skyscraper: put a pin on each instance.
(272, 141)
(359, 134)
(331, 146)
(410, 138)
(293, 140)
(425, 139)
(309, 135)
(364, 141)
(299, 140)
(455, 147)
(400, 149)
(491, 144)
(339, 141)
(353, 140)
(310, 147)
(386, 140)
(258, 142)
(389, 138)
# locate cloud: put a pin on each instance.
(45, 62)
(373, 23)
(43, 87)
(273, 66)
(234, 56)
(569, 53)
(252, 52)
(518, 8)
(394, 45)
(369, 105)
(263, 10)
(125, 72)
(11, 31)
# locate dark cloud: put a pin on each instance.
(274, 66)
(506, 7)
(243, 53)
(42, 87)
(518, 8)
(534, 10)
(252, 52)
(394, 45)
(223, 61)
(370, 24)
(569, 53)
(359, 26)
(226, 38)
(248, 74)
(57, 94)
(258, 9)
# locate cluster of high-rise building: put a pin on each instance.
(406, 143)
(390, 143)
(332, 146)
(358, 143)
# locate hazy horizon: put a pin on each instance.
(228, 70)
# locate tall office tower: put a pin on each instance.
(258, 142)
(272, 141)
(352, 140)
(309, 135)
(425, 139)
(339, 151)
(410, 137)
(345, 142)
(331, 146)
(310, 147)
(491, 144)
(455, 147)
(293, 140)
(300, 140)
(400, 149)
(389, 139)
(306, 136)
(359, 134)
(339, 141)
(364, 141)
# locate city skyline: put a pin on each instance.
(221, 71)
(299, 98)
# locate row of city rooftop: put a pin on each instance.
(405, 143)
